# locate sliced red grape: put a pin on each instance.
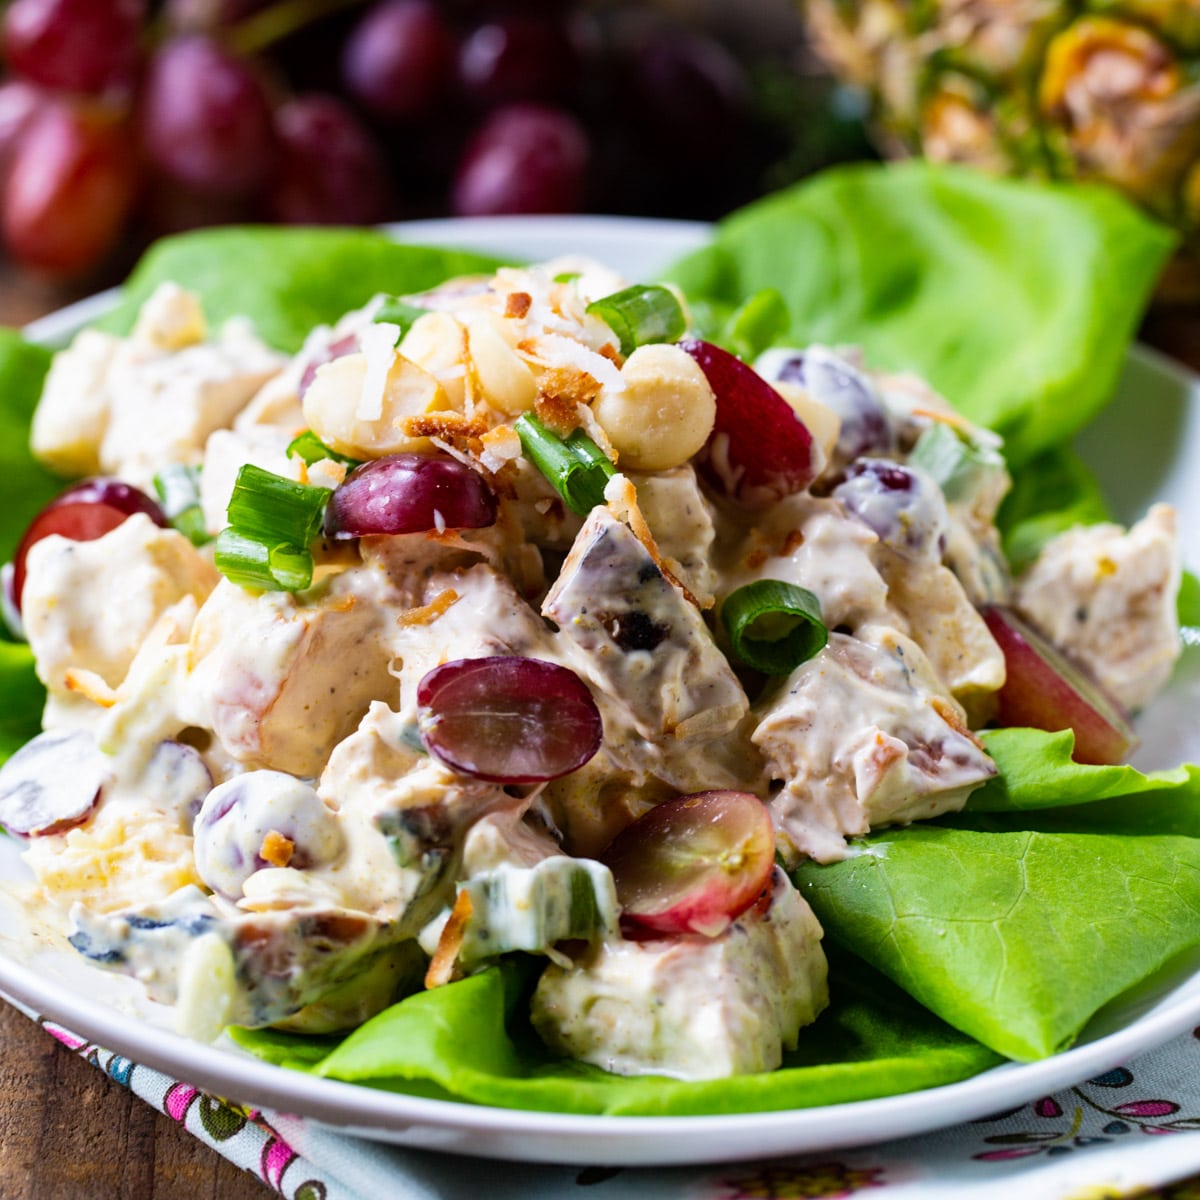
(508, 719)
(399, 58)
(759, 447)
(205, 119)
(409, 493)
(331, 171)
(1046, 690)
(70, 187)
(902, 506)
(179, 779)
(51, 783)
(236, 822)
(525, 158)
(83, 513)
(693, 864)
(74, 45)
(866, 425)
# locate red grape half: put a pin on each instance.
(693, 864)
(508, 719)
(52, 783)
(758, 446)
(408, 493)
(1046, 690)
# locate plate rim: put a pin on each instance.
(609, 1139)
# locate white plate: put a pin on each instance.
(1142, 447)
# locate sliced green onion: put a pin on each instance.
(954, 459)
(760, 322)
(394, 311)
(291, 567)
(311, 449)
(641, 314)
(274, 510)
(576, 467)
(588, 453)
(774, 626)
(178, 489)
(252, 563)
(566, 277)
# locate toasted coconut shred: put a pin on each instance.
(441, 966)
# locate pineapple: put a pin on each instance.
(1104, 90)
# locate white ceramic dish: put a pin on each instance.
(1143, 447)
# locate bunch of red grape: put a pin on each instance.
(121, 119)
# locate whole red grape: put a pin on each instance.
(398, 60)
(525, 158)
(518, 58)
(205, 120)
(330, 169)
(70, 188)
(20, 102)
(691, 92)
(85, 46)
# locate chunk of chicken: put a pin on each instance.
(811, 542)
(635, 635)
(88, 606)
(253, 969)
(280, 680)
(863, 735)
(1106, 598)
(932, 606)
(72, 414)
(129, 406)
(693, 1007)
(681, 520)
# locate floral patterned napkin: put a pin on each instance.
(1122, 1134)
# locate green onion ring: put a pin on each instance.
(774, 626)
(641, 314)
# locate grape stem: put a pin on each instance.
(273, 24)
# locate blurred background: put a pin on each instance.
(121, 120)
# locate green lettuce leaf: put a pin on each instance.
(1016, 300)
(24, 488)
(1037, 771)
(471, 1041)
(23, 698)
(24, 485)
(1187, 606)
(288, 280)
(1016, 938)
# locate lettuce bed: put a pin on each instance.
(471, 1041)
(1010, 924)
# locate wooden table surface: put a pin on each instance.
(68, 1132)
